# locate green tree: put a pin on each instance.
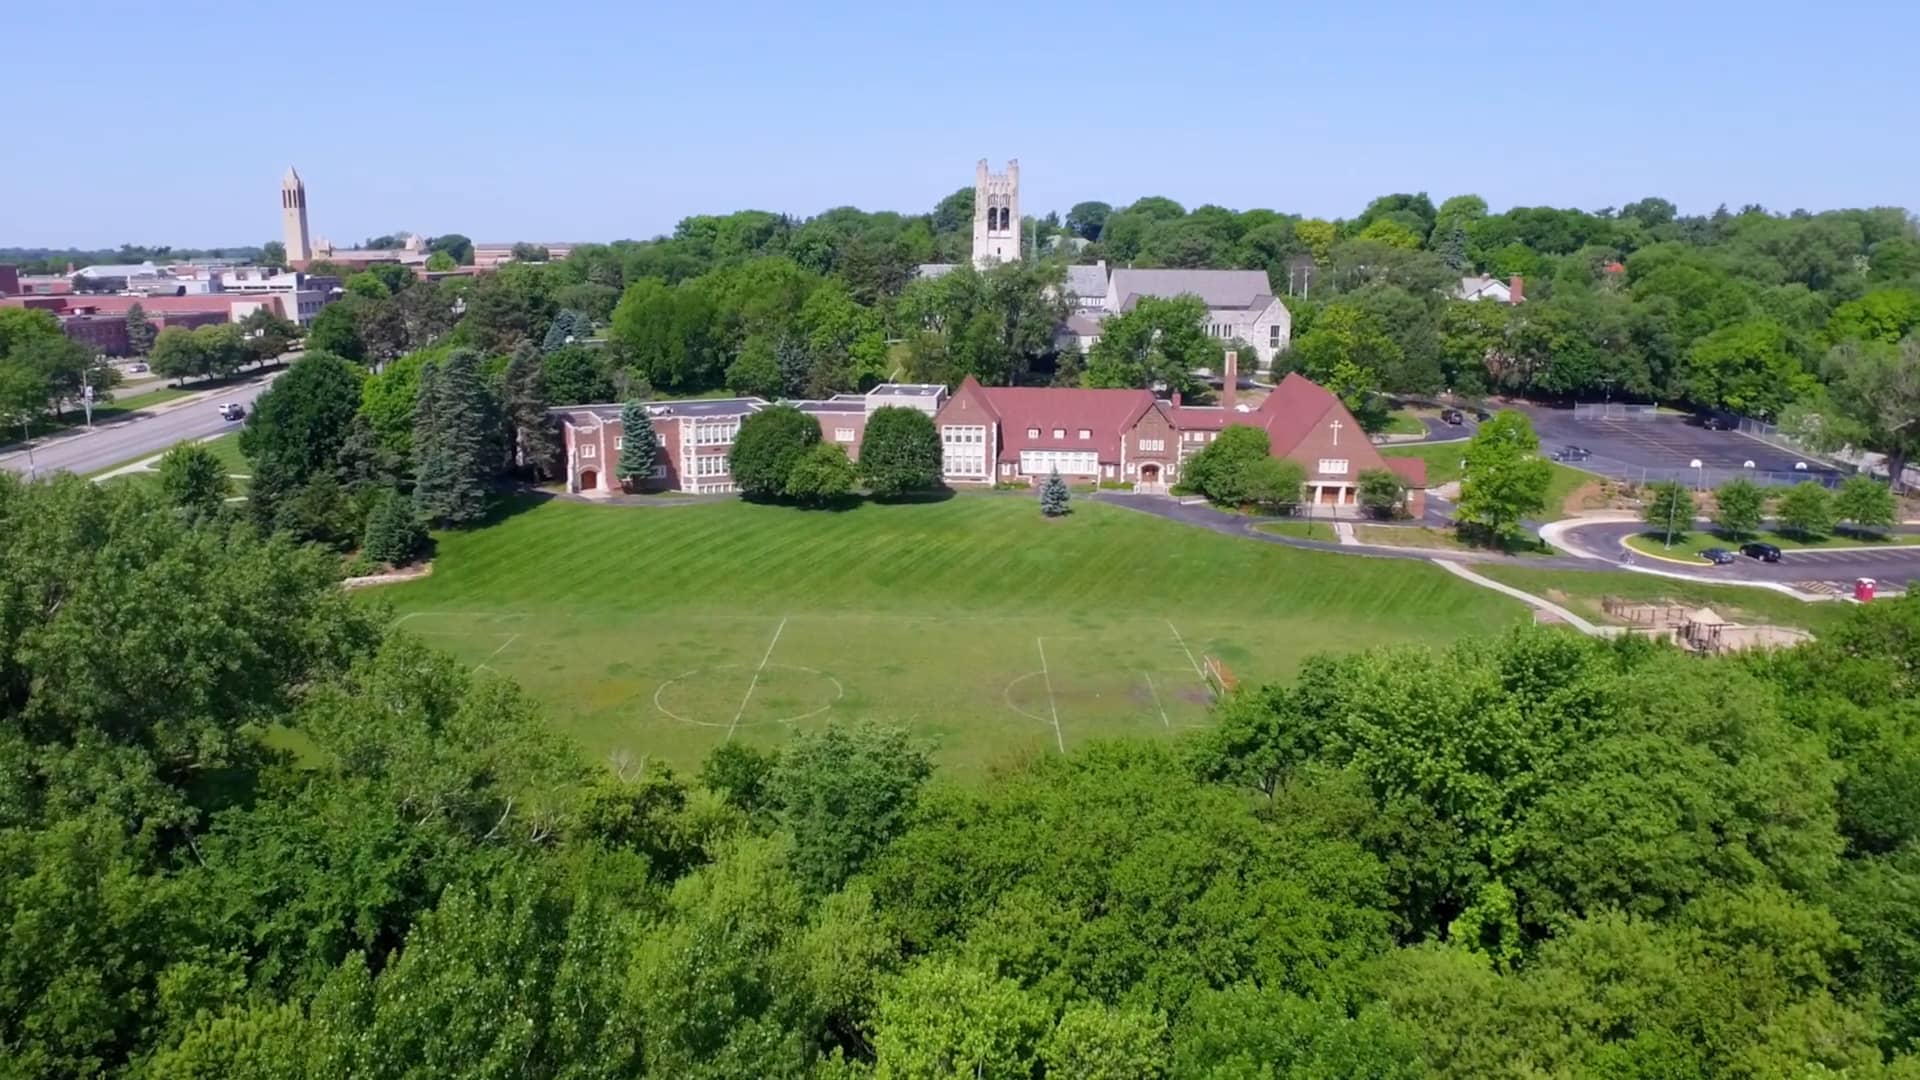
(1086, 219)
(266, 335)
(193, 479)
(755, 371)
(536, 445)
(454, 461)
(1271, 483)
(1747, 367)
(273, 254)
(455, 245)
(1875, 402)
(394, 535)
(943, 1019)
(1382, 492)
(567, 328)
(822, 476)
(900, 452)
(1807, 510)
(140, 332)
(1667, 508)
(575, 375)
(1055, 499)
(1160, 343)
(639, 448)
(1739, 506)
(440, 262)
(1092, 1042)
(1505, 478)
(177, 354)
(335, 331)
(770, 444)
(1865, 502)
(297, 429)
(1218, 471)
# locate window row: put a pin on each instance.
(710, 465)
(1333, 466)
(1084, 434)
(1153, 445)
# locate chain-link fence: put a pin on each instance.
(1613, 410)
(1709, 477)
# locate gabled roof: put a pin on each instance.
(1411, 469)
(1106, 415)
(1087, 280)
(1247, 289)
(1293, 408)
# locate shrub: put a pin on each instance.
(771, 442)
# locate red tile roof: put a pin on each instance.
(1105, 414)
(1411, 469)
(1290, 412)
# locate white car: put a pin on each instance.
(138, 369)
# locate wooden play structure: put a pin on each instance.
(1701, 629)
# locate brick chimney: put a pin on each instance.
(1176, 399)
(1513, 289)
(1229, 379)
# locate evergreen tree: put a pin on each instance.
(1054, 496)
(140, 331)
(639, 449)
(536, 446)
(393, 535)
(452, 446)
(795, 363)
(569, 327)
(1454, 248)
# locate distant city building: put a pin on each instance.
(90, 318)
(488, 256)
(303, 249)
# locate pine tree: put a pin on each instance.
(140, 331)
(452, 444)
(1454, 248)
(1054, 496)
(639, 449)
(393, 535)
(569, 327)
(535, 444)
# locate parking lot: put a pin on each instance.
(1664, 447)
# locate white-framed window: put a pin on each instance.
(1033, 433)
(715, 432)
(843, 434)
(1059, 433)
(1333, 466)
(1273, 336)
(587, 451)
(963, 450)
(1085, 434)
(1067, 462)
(710, 465)
(1150, 446)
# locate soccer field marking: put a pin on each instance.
(1007, 696)
(1058, 738)
(511, 638)
(755, 681)
(1183, 648)
(839, 692)
(1155, 691)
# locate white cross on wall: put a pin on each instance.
(1336, 432)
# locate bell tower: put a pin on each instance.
(996, 215)
(293, 218)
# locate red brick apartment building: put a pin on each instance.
(1013, 435)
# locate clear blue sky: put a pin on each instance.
(596, 121)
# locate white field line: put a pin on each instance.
(1059, 739)
(511, 638)
(1148, 675)
(764, 657)
(1184, 649)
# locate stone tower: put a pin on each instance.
(293, 218)
(996, 214)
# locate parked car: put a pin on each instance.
(1572, 453)
(233, 411)
(1452, 416)
(1763, 552)
(1718, 556)
(138, 368)
(1717, 422)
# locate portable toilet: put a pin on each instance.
(1863, 589)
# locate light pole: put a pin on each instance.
(1699, 474)
(1672, 505)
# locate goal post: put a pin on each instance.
(1219, 677)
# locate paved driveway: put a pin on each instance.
(141, 434)
(1821, 571)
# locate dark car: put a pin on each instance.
(1452, 416)
(1763, 552)
(232, 411)
(1572, 453)
(1718, 556)
(1715, 422)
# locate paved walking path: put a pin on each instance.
(1524, 597)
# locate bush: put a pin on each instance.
(1216, 471)
(771, 442)
(1382, 493)
(394, 535)
(900, 452)
(823, 475)
(1272, 483)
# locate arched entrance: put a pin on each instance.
(1150, 479)
(589, 480)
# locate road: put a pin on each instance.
(136, 436)
(1837, 569)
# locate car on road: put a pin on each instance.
(233, 410)
(1572, 453)
(1718, 556)
(1763, 552)
(1453, 416)
(138, 368)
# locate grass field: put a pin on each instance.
(1404, 422)
(1583, 592)
(981, 626)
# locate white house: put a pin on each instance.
(1489, 288)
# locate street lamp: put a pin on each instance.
(1699, 474)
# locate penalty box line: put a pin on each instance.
(755, 681)
(1046, 676)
